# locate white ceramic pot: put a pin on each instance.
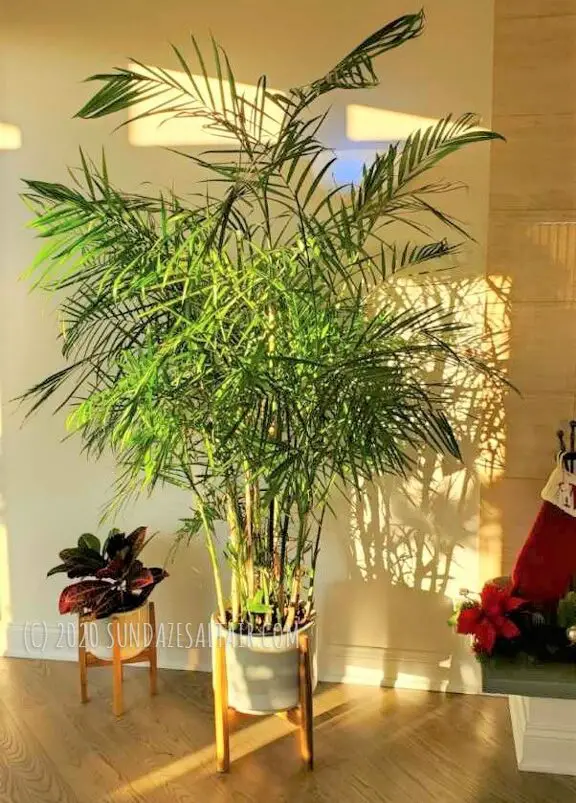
(135, 634)
(262, 671)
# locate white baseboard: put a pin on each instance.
(395, 668)
(544, 734)
(367, 666)
(58, 643)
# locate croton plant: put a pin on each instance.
(111, 578)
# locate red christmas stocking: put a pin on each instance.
(547, 561)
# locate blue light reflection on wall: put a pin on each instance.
(347, 169)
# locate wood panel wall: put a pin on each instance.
(532, 249)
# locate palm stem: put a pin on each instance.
(315, 553)
(235, 580)
(208, 533)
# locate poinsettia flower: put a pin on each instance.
(489, 619)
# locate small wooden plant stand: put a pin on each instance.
(302, 715)
(86, 659)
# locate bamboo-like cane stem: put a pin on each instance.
(294, 594)
(214, 563)
(282, 572)
(235, 544)
(249, 564)
(315, 553)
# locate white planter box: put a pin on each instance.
(544, 734)
(262, 671)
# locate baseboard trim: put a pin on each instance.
(58, 643)
(338, 663)
(393, 668)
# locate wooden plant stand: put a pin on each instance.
(302, 715)
(86, 659)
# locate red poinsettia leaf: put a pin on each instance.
(508, 629)
(486, 636)
(497, 621)
(513, 603)
(493, 597)
(468, 620)
(488, 592)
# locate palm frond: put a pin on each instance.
(356, 70)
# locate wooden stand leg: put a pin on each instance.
(152, 651)
(117, 705)
(306, 710)
(221, 708)
(82, 661)
(86, 659)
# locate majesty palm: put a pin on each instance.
(239, 342)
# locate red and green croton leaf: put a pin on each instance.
(96, 596)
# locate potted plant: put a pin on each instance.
(110, 581)
(242, 342)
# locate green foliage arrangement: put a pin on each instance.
(239, 342)
(567, 610)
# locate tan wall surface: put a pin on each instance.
(532, 245)
(380, 622)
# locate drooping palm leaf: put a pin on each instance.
(356, 70)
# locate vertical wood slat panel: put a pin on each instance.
(532, 218)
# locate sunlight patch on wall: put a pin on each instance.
(369, 124)
(10, 137)
(491, 540)
(166, 129)
(491, 462)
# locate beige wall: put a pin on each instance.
(382, 622)
(532, 246)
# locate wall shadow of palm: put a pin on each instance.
(413, 542)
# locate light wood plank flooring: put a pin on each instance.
(371, 745)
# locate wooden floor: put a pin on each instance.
(371, 745)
